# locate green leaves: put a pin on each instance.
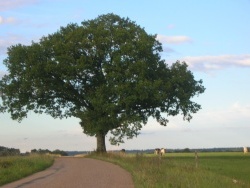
(107, 72)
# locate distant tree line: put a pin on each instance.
(46, 151)
(4, 151)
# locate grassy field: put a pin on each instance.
(16, 167)
(148, 170)
(211, 170)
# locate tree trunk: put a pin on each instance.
(101, 146)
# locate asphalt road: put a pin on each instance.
(71, 172)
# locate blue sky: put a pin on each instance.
(212, 37)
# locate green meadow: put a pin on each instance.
(16, 167)
(210, 170)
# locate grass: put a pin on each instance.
(180, 170)
(172, 170)
(16, 167)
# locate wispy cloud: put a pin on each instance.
(8, 20)
(173, 39)
(168, 50)
(12, 4)
(243, 110)
(210, 63)
(236, 112)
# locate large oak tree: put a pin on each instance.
(107, 72)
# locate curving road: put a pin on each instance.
(70, 172)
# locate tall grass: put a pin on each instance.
(16, 167)
(180, 170)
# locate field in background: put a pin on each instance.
(16, 167)
(222, 169)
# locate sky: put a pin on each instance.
(212, 37)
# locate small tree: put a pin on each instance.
(107, 72)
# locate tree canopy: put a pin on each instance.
(107, 72)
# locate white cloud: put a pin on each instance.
(168, 50)
(208, 128)
(208, 63)
(241, 110)
(173, 39)
(7, 20)
(11, 4)
(235, 116)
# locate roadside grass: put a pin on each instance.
(16, 167)
(179, 169)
